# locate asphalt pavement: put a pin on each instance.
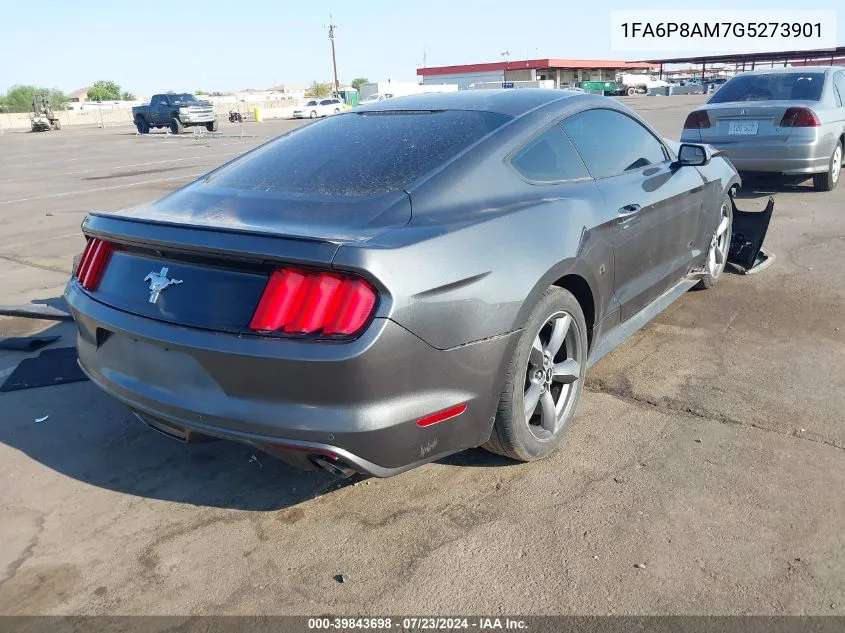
(704, 472)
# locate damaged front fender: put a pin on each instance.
(745, 254)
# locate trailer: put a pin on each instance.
(633, 83)
(499, 85)
(377, 91)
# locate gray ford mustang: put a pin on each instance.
(402, 281)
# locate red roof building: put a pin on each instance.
(564, 72)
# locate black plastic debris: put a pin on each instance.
(745, 254)
(50, 367)
(35, 311)
(26, 343)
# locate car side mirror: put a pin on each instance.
(692, 155)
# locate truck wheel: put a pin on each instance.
(142, 126)
(212, 127)
(632, 92)
(176, 126)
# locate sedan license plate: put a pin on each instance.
(742, 128)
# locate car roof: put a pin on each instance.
(792, 70)
(511, 102)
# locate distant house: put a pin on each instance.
(79, 96)
(291, 91)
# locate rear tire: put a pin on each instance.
(828, 180)
(213, 126)
(176, 126)
(520, 432)
(632, 92)
(141, 125)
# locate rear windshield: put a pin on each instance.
(771, 87)
(362, 153)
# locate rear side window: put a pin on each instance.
(550, 158)
(612, 143)
(771, 87)
(360, 153)
(839, 86)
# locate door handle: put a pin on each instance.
(628, 211)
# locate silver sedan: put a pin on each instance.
(788, 121)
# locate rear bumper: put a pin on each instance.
(358, 400)
(790, 158)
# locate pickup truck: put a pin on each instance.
(176, 112)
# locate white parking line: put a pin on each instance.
(110, 150)
(63, 236)
(110, 167)
(82, 191)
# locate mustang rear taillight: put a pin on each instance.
(697, 120)
(799, 117)
(310, 302)
(93, 263)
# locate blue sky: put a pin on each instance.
(213, 45)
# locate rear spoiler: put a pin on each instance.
(745, 254)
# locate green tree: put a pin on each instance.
(104, 90)
(358, 82)
(19, 98)
(319, 89)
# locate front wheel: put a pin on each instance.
(313, 115)
(717, 254)
(544, 380)
(213, 126)
(828, 180)
(176, 126)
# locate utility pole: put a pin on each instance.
(331, 26)
(505, 56)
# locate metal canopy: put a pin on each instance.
(739, 58)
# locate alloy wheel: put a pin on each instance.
(836, 166)
(718, 254)
(554, 365)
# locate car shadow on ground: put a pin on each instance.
(754, 187)
(91, 437)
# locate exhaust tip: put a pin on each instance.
(335, 468)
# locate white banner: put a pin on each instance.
(754, 31)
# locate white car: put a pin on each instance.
(376, 98)
(318, 107)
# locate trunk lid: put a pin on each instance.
(334, 219)
(215, 252)
(748, 121)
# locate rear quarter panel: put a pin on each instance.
(459, 283)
